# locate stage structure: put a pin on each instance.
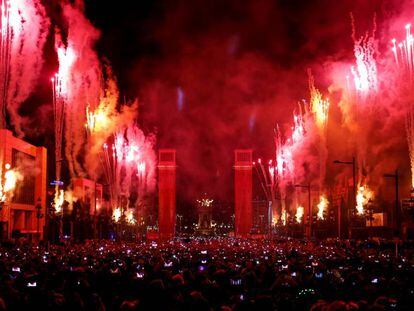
(243, 192)
(22, 209)
(166, 193)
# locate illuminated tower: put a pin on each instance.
(243, 192)
(166, 193)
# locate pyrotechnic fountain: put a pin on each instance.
(116, 214)
(8, 182)
(284, 217)
(318, 105)
(361, 106)
(363, 197)
(132, 158)
(320, 111)
(299, 214)
(322, 206)
(60, 88)
(281, 171)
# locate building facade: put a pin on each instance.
(23, 208)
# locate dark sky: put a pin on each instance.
(215, 75)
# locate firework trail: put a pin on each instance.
(318, 105)
(61, 94)
(60, 89)
(404, 54)
(360, 101)
(24, 28)
(282, 171)
(130, 166)
(92, 94)
(404, 59)
(319, 108)
(82, 71)
(365, 69)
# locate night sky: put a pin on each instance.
(215, 75)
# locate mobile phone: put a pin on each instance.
(374, 281)
(235, 282)
(16, 269)
(319, 275)
(168, 264)
(293, 274)
(140, 275)
(31, 284)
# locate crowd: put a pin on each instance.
(208, 274)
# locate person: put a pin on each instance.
(217, 273)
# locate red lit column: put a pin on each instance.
(243, 192)
(166, 193)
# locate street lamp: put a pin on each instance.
(39, 215)
(396, 216)
(308, 187)
(353, 163)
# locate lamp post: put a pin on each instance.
(308, 187)
(353, 163)
(396, 213)
(38, 215)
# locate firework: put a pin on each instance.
(98, 121)
(284, 217)
(130, 217)
(116, 215)
(318, 105)
(322, 206)
(404, 58)
(298, 129)
(299, 214)
(365, 69)
(24, 28)
(363, 197)
(8, 182)
(60, 91)
(130, 159)
(404, 54)
(320, 111)
(59, 200)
